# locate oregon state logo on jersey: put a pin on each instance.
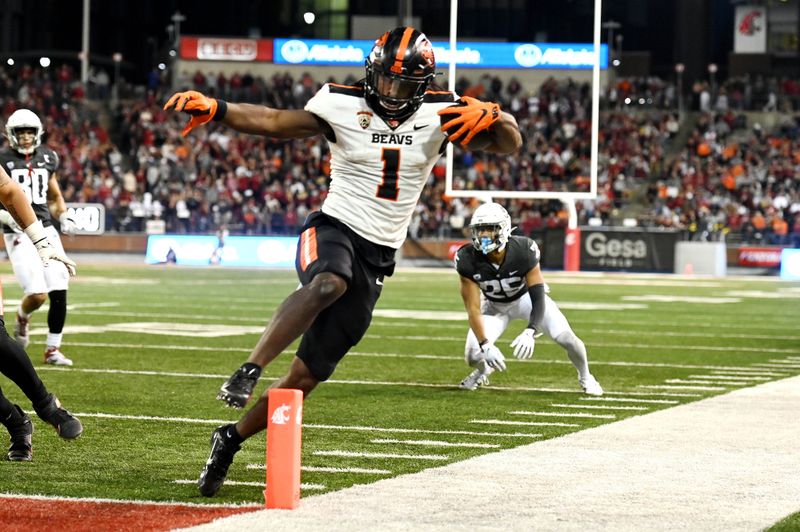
(364, 119)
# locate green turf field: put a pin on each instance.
(152, 345)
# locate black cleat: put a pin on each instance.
(21, 449)
(239, 388)
(67, 425)
(216, 469)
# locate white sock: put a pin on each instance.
(54, 340)
(22, 314)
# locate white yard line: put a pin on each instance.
(599, 407)
(681, 387)
(323, 469)
(707, 382)
(353, 454)
(436, 443)
(356, 428)
(521, 423)
(724, 463)
(562, 414)
(261, 485)
(731, 378)
(627, 400)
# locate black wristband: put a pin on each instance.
(222, 109)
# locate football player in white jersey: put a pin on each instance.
(385, 136)
(501, 281)
(34, 167)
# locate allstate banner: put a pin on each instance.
(468, 54)
(239, 251)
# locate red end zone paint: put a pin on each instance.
(28, 515)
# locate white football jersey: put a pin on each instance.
(377, 173)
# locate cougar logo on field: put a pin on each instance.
(281, 415)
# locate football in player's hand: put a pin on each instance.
(478, 142)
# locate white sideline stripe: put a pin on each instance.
(783, 361)
(172, 347)
(682, 387)
(439, 325)
(562, 414)
(773, 365)
(433, 443)
(626, 400)
(521, 423)
(424, 431)
(731, 378)
(308, 425)
(566, 362)
(248, 483)
(155, 418)
(600, 344)
(707, 382)
(333, 381)
(353, 454)
(138, 502)
(599, 407)
(121, 314)
(694, 334)
(323, 469)
(162, 347)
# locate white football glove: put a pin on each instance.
(68, 226)
(493, 356)
(47, 252)
(523, 344)
(6, 219)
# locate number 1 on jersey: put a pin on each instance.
(388, 188)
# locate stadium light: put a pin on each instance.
(44, 62)
(10, 62)
(309, 17)
(162, 66)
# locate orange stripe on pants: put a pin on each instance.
(308, 247)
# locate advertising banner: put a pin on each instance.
(750, 30)
(239, 251)
(225, 49)
(790, 264)
(759, 257)
(90, 218)
(468, 54)
(627, 250)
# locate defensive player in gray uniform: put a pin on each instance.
(501, 281)
(385, 136)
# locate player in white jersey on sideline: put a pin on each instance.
(501, 281)
(385, 136)
(34, 167)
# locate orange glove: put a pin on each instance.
(199, 106)
(474, 117)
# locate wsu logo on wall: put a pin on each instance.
(750, 24)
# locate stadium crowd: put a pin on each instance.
(729, 177)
